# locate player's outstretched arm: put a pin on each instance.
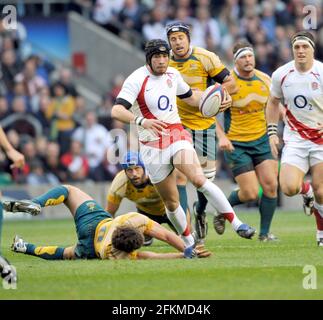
(155, 255)
(161, 233)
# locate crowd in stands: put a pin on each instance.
(46, 118)
(216, 25)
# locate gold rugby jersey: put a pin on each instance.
(146, 198)
(197, 70)
(245, 120)
(104, 230)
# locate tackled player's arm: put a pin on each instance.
(159, 232)
(155, 255)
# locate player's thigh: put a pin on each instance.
(167, 188)
(248, 185)
(290, 179)
(75, 198)
(180, 178)
(186, 161)
(267, 173)
(317, 181)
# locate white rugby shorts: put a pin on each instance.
(159, 162)
(302, 154)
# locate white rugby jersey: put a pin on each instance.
(154, 97)
(302, 95)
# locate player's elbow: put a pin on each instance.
(230, 85)
(115, 111)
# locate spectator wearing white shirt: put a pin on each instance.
(205, 31)
(96, 140)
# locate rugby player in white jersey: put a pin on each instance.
(151, 91)
(299, 85)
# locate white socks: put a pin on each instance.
(219, 201)
(178, 219)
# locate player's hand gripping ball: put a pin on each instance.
(214, 99)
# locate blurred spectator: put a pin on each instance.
(96, 140)
(66, 78)
(52, 162)
(4, 108)
(130, 15)
(76, 163)
(10, 68)
(40, 115)
(116, 86)
(206, 31)
(106, 12)
(60, 114)
(21, 121)
(44, 68)
(31, 81)
(38, 175)
(155, 28)
(268, 20)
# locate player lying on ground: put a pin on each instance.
(99, 235)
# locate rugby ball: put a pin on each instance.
(211, 100)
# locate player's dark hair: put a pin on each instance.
(127, 239)
(241, 44)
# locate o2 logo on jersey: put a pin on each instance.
(163, 103)
(300, 101)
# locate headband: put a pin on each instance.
(243, 51)
(303, 38)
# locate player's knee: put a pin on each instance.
(289, 190)
(171, 204)
(181, 180)
(270, 189)
(318, 191)
(198, 181)
(249, 195)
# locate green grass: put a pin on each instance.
(238, 269)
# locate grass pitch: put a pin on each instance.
(238, 269)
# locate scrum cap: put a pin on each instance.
(132, 159)
(155, 46)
